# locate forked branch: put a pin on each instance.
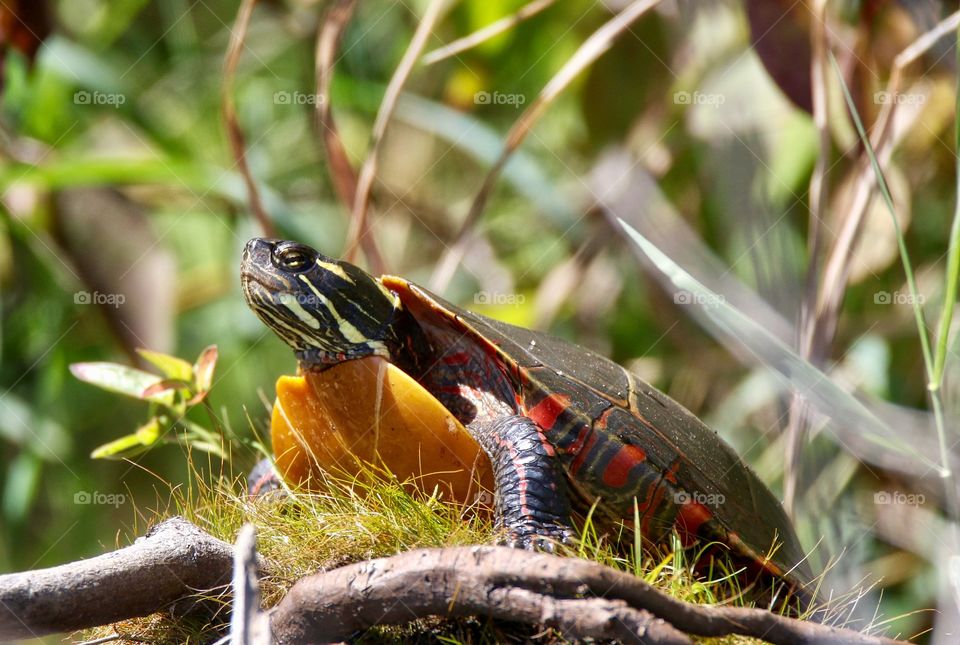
(579, 598)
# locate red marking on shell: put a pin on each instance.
(545, 413)
(646, 506)
(671, 474)
(618, 470)
(577, 445)
(691, 517)
(459, 358)
(582, 455)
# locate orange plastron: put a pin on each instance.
(368, 413)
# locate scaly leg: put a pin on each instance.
(530, 496)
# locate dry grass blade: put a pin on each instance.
(796, 426)
(486, 33)
(237, 145)
(818, 184)
(839, 262)
(595, 46)
(361, 202)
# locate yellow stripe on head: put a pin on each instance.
(335, 268)
(349, 331)
(292, 303)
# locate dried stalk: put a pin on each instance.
(237, 143)
(595, 46)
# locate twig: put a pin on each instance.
(486, 33)
(237, 145)
(247, 622)
(173, 560)
(342, 174)
(99, 641)
(595, 46)
(361, 202)
(582, 599)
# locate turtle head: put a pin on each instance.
(328, 311)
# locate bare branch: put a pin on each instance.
(579, 598)
(486, 33)
(582, 599)
(173, 560)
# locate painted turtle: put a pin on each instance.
(565, 429)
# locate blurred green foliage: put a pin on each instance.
(117, 178)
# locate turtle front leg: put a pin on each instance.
(530, 492)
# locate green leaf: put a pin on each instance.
(121, 379)
(166, 385)
(20, 489)
(204, 367)
(171, 366)
(132, 444)
(149, 432)
(200, 438)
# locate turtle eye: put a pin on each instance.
(294, 258)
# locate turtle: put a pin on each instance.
(566, 430)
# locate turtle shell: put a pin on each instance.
(625, 443)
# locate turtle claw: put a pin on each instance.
(541, 537)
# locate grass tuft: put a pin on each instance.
(357, 519)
